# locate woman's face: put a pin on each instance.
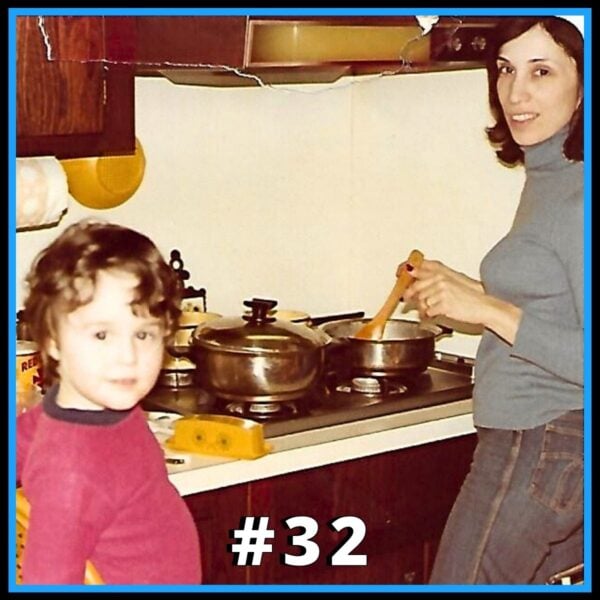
(538, 86)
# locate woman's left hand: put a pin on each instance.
(440, 291)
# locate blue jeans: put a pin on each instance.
(519, 515)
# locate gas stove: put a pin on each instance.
(337, 398)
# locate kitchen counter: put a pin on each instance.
(324, 446)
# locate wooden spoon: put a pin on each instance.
(373, 330)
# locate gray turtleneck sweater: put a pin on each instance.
(537, 266)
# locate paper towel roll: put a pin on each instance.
(42, 191)
(577, 20)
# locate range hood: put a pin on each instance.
(257, 51)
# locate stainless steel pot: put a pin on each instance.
(257, 358)
(407, 347)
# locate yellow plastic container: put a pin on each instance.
(219, 435)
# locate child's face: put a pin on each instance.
(108, 357)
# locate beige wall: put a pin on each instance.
(313, 194)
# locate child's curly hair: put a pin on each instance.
(58, 276)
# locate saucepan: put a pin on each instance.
(406, 347)
(258, 357)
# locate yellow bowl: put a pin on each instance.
(105, 181)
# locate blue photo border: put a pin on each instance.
(11, 225)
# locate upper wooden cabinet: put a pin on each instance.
(75, 75)
(211, 41)
(75, 86)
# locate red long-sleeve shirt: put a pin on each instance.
(98, 489)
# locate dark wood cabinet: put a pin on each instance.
(403, 497)
(216, 513)
(75, 75)
(190, 41)
(75, 86)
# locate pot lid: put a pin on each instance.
(258, 333)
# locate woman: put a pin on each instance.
(519, 515)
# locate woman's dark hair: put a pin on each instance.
(566, 35)
(63, 277)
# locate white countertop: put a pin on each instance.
(328, 445)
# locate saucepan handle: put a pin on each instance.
(329, 318)
(444, 330)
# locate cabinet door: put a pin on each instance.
(216, 513)
(70, 101)
(307, 494)
(375, 490)
(453, 460)
(189, 41)
(403, 498)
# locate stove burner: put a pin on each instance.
(332, 401)
(372, 386)
(366, 385)
(263, 410)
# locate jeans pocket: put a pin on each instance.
(557, 480)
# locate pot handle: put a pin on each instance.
(260, 308)
(313, 321)
(444, 330)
